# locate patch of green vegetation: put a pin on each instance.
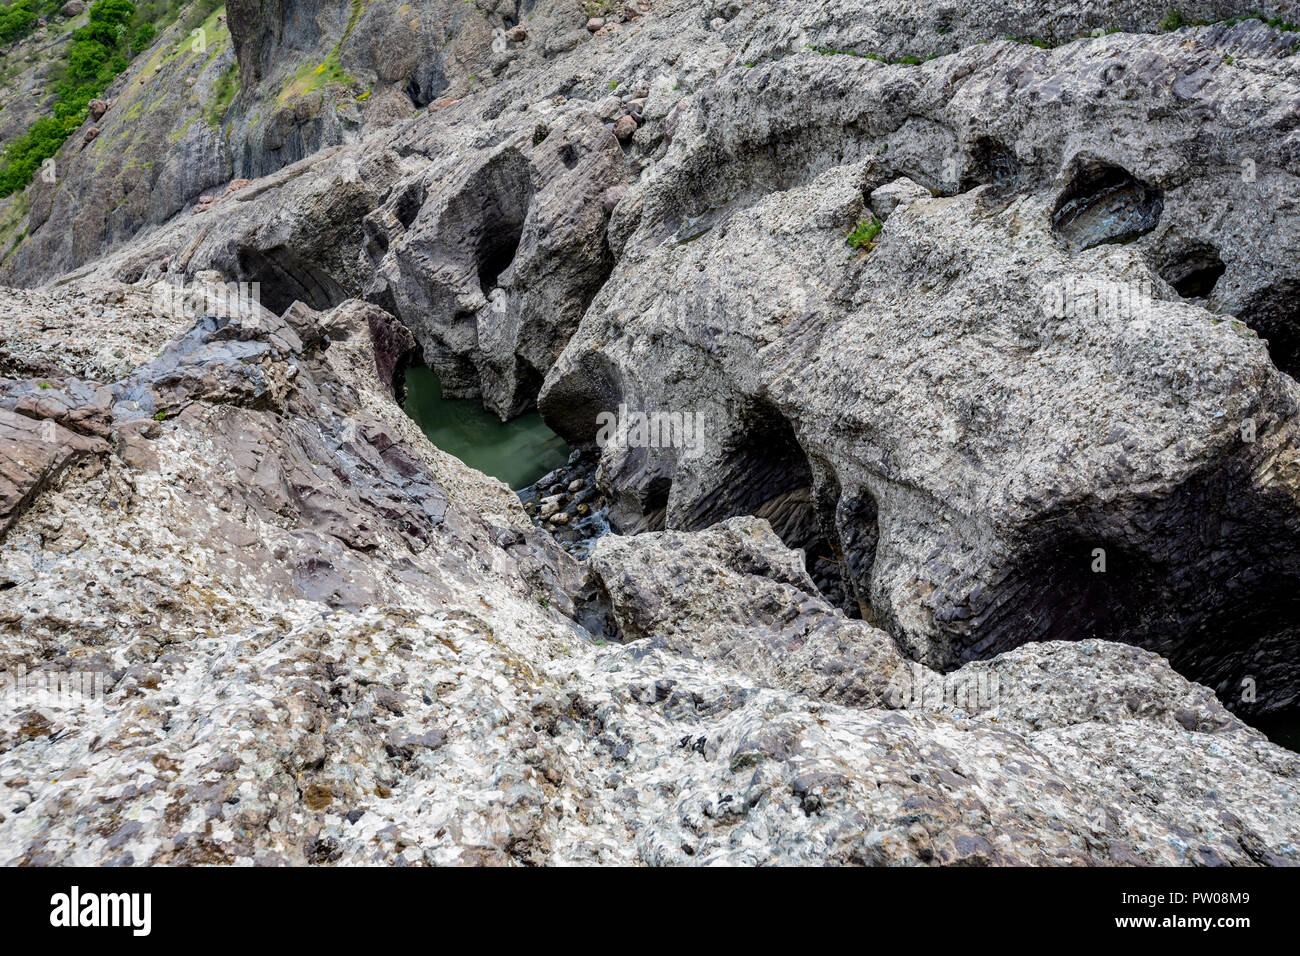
(358, 7)
(176, 135)
(223, 94)
(908, 60)
(115, 31)
(361, 97)
(864, 235)
(308, 78)
(598, 8)
(143, 36)
(18, 239)
(161, 14)
(11, 225)
(19, 17)
(1174, 20)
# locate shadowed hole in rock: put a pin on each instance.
(849, 528)
(284, 279)
(497, 199)
(857, 533)
(640, 484)
(1081, 588)
(426, 83)
(992, 164)
(1194, 272)
(1104, 204)
(1205, 588)
(1274, 313)
(767, 475)
(408, 204)
(496, 252)
(1282, 729)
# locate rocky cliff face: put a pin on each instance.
(1002, 332)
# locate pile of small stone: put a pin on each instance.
(607, 23)
(623, 114)
(567, 502)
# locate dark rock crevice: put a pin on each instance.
(1193, 271)
(857, 532)
(1104, 203)
(496, 250)
(1274, 313)
(1206, 587)
(765, 474)
(286, 278)
(992, 163)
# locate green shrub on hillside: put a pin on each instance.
(96, 53)
(16, 20)
(19, 17)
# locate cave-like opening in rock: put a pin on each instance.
(1202, 587)
(768, 475)
(1076, 587)
(1105, 204)
(495, 253)
(848, 522)
(285, 278)
(496, 200)
(427, 82)
(857, 533)
(993, 164)
(1274, 313)
(1194, 272)
(408, 203)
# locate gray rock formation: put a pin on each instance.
(1000, 388)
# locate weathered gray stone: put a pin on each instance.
(902, 191)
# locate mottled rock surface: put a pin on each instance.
(379, 667)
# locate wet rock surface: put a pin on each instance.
(567, 503)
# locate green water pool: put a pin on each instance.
(518, 451)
